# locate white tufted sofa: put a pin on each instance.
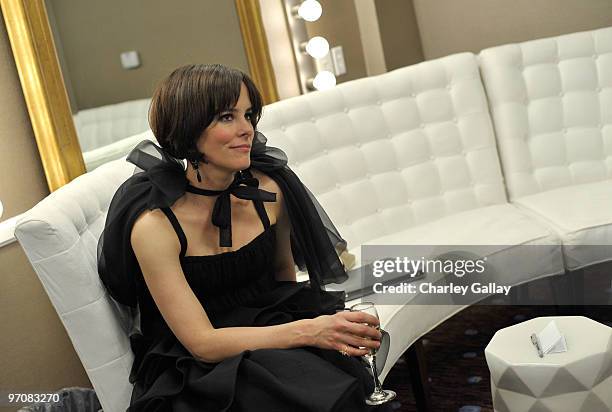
(106, 133)
(408, 157)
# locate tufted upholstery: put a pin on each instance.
(100, 129)
(551, 101)
(390, 152)
(59, 236)
(407, 157)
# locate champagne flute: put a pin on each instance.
(379, 396)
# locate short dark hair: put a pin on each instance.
(187, 101)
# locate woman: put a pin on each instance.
(207, 257)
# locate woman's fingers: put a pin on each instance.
(352, 350)
(361, 317)
(358, 341)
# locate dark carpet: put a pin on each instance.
(455, 357)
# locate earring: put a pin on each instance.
(195, 165)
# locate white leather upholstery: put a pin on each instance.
(59, 236)
(390, 152)
(100, 129)
(119, 149)
(551, 101)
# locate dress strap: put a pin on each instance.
(177, 228)
(259, 206)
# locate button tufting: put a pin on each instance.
(337, 185)
(431, 158)
(389, 135)
(325, 151)
(378, 211)
(283, 128)
(422, 125)
(378, 102)
(561, 94)
(358, 144)
(455, 120)
(346, 110)
(312, 119)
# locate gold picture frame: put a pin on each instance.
(45, 94)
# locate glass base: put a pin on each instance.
(378, 398)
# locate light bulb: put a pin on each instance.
(310, 10)
(317, 47)
(324, 80)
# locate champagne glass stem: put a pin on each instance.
(377, 385)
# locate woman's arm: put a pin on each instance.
(157, 248)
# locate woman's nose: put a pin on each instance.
(245, 126)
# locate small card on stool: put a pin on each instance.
(549, 340)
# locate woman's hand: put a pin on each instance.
(345, 331)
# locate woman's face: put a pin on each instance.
(226, 142)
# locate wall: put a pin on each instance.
(399, 33)
(338, 24)
(94, 33)
(35, 351)
(452, 26)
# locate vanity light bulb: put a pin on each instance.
(324, 80)
(310, 10)
(317, 47)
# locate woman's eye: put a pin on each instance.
(249, 115)
(226, 117)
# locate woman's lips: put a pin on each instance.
(245, 148)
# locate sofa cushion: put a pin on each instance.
(525, 250)
(581, 217)
(393, 151)
(550, 100)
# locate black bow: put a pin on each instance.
(244, 187)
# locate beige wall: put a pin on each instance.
(94, 33)
(338, 24)
(35, 351)
(399, 33)
(452, 26)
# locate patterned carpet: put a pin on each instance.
(455, 357)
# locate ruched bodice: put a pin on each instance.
(234, 278)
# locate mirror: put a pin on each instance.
(84, 80)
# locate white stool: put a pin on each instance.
(579, 380)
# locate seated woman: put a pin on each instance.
(207, 255)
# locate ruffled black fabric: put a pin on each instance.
(159, 180)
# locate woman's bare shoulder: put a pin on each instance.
(266, 182)
(152, 226)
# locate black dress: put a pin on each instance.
(238, 289)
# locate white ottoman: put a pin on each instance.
(579, 380)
